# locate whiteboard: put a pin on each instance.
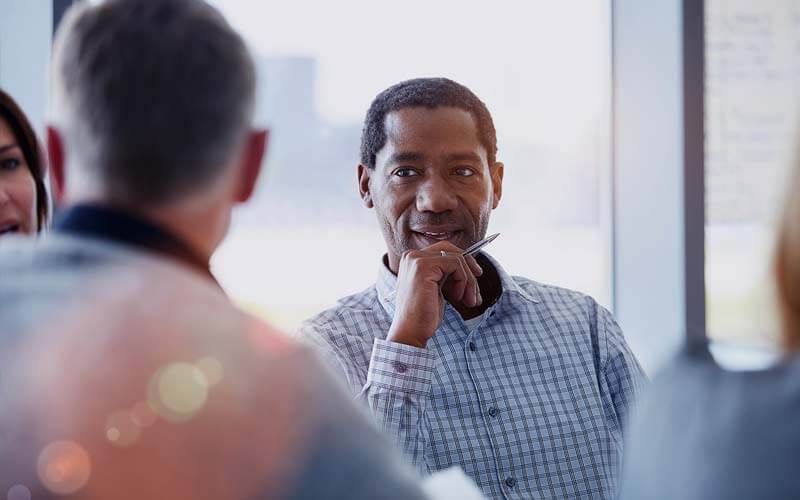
(752, 85)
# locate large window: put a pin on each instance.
(543, 69)
(752, 76)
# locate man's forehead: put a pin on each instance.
(413, 119)
(418, 128)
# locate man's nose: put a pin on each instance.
(435, 195)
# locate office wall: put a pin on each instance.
(25, 38)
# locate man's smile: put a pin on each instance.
(428, 236)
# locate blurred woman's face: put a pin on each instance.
(17, 187)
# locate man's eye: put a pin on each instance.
(405, 172)
(9, 164)
(465, 172)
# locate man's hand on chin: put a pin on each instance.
(425, 280)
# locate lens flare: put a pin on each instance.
(211, 368)
(178, 391)
(64, 467)
(121, 429)
(19, 492)
(143, 414)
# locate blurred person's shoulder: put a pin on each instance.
(685, 378)
(693, 376)
(42, 275)
(172, 301)
(52, 254)
(704, 431)
(151, 364)
(67, 280)
(155, 366)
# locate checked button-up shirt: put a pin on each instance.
(530, 402)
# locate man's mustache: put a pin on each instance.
(442, 219)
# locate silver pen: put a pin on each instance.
(473, 249)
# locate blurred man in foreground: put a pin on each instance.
(124, 370)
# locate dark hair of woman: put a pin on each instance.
(31, 150)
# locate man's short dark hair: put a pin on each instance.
(153, 95)
(424, 93)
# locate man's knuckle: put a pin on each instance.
(410, 255)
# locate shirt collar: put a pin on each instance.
(125, 228)
(386, 284)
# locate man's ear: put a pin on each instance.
(55, 156)
(497, 183)
(364, 173)
(255, 150)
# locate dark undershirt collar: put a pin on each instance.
(126, 228)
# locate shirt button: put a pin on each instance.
(493, 412)
(510, 482)
(472, 346)
(399, 367)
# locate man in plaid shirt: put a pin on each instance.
(524, 386)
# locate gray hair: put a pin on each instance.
(153, 96)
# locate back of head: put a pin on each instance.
(424, 93)
(787, 262)
(151, 97)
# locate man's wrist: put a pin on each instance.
(404, 336)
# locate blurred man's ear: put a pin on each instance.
(253, 157)
(363, 185)
(497, 183)
(55, 156)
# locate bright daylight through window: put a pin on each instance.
(542, 68)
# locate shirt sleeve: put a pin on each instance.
(621, 377)
(399, 381)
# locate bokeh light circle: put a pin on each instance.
(19, 492)
(178, 391)
(211, 368)
(64, 467)
(121, 429)
(143, 414)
